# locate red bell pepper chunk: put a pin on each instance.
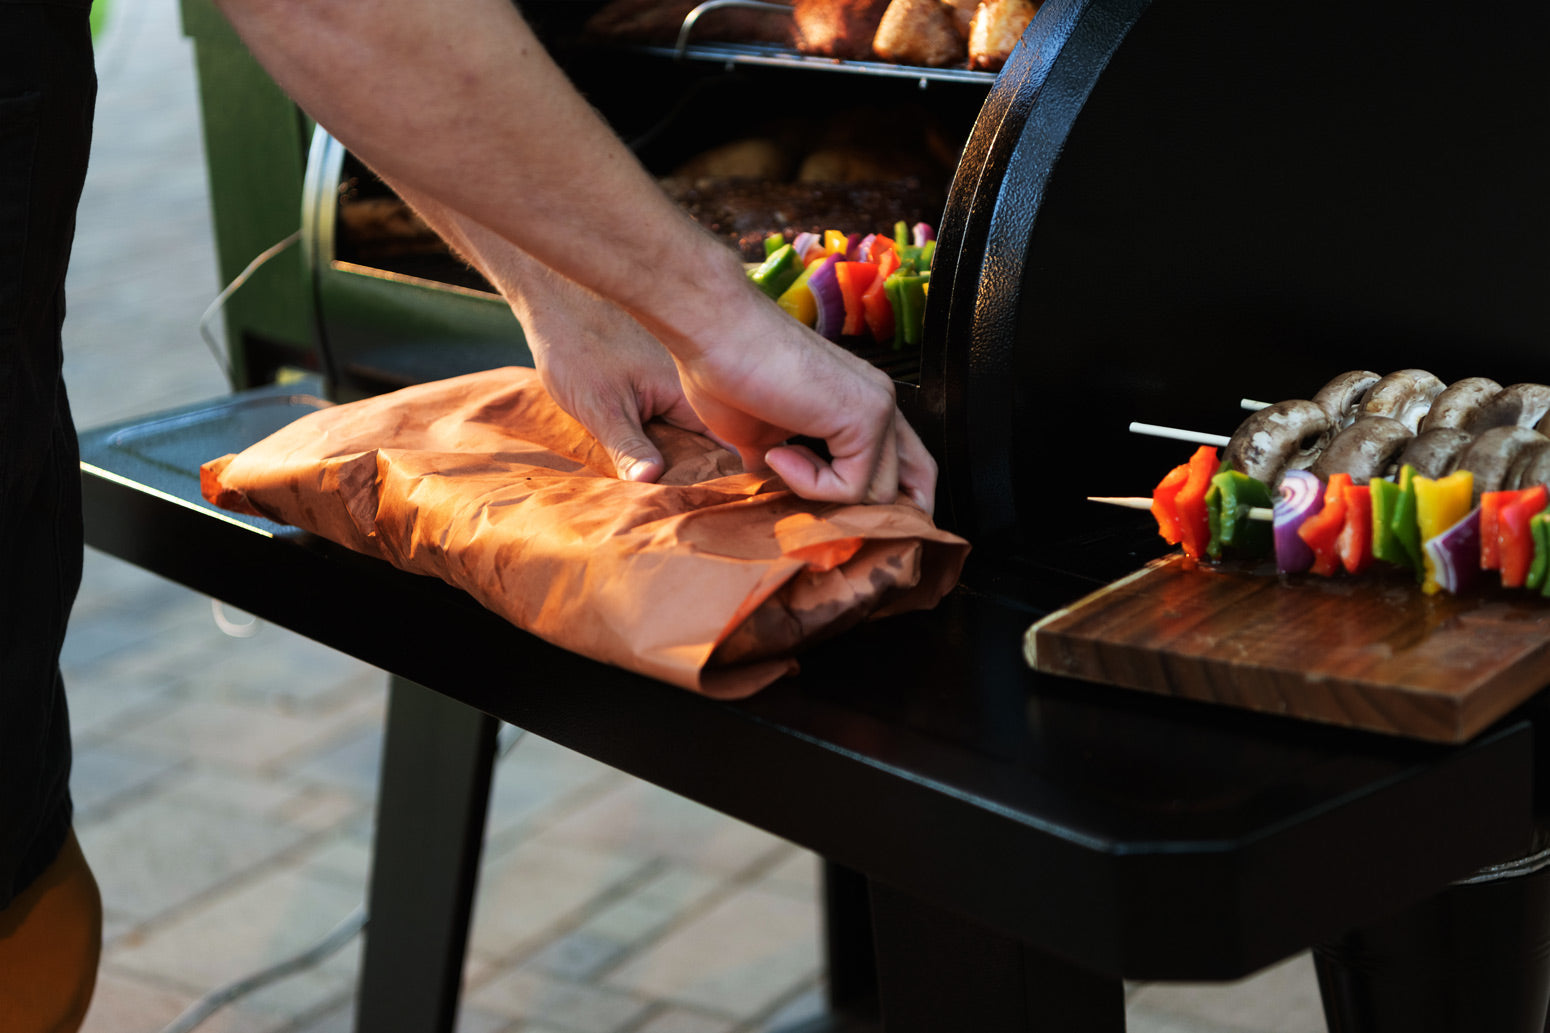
(874, 300)
(1355, 541)
(1190, 505)
(1165, 503)
(1322, 530)
(1515, 541)
(854, 279)
(1490, 546)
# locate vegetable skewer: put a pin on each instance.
(1142, 502)
(1176, 434)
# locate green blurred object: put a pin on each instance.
(256, 144)
(99, 17)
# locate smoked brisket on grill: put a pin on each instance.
(743, 212)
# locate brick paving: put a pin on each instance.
(225, 779)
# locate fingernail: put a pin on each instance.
(637, 469)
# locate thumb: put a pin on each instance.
(634, 457)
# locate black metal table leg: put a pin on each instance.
(938, 971)
(848, 951)
(437, 760)
(1474, 957)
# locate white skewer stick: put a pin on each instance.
(1252, 405)
(1219, 440)
(1138, 502)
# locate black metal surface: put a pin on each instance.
(432, 801)
(1168, 206)
(972, 979)
(1134, 836)
(1471, 958)
(849, 958)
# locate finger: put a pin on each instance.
(917, 468)
(754, 459)
(802, 470)
(884, 485)
(847, 479)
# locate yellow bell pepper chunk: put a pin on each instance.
(799, 301)
(1439, 504)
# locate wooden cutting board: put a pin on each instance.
(1371, 652)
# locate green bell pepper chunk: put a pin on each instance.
(892, 291)
(773, 243)
(1228, 501)
(1538, 579)
(901, 234)
(1385, 544)
(1404, 525)
(778, 271)
(909, 309)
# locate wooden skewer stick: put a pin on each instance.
(1140, 502)
(1252, 405)
(1219, 440)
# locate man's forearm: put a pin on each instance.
(459, 103)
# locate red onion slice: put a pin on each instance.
(922, 232)
(1455, 554)
(825, 285)
(1299, 497)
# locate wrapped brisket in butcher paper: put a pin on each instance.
(710, 579)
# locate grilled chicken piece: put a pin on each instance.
(963, 14)
(995, 30)
(837, 28)
(919, 32)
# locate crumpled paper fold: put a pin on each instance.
(710, 579)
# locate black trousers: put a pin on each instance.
(47, 94)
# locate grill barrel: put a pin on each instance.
(1160, 208)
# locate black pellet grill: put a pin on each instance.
(1161, 208)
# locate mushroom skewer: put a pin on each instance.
(1284, 436)
(1434, 453)
(1405, 396)
(1343, 396)
(1459, 401)
(1366, 449)
(1521, 405)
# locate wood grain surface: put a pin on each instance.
(1368, 652)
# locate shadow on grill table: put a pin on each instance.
(1157, 209)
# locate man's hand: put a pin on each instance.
(600, 365)
(767, 378)
(604, 369)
